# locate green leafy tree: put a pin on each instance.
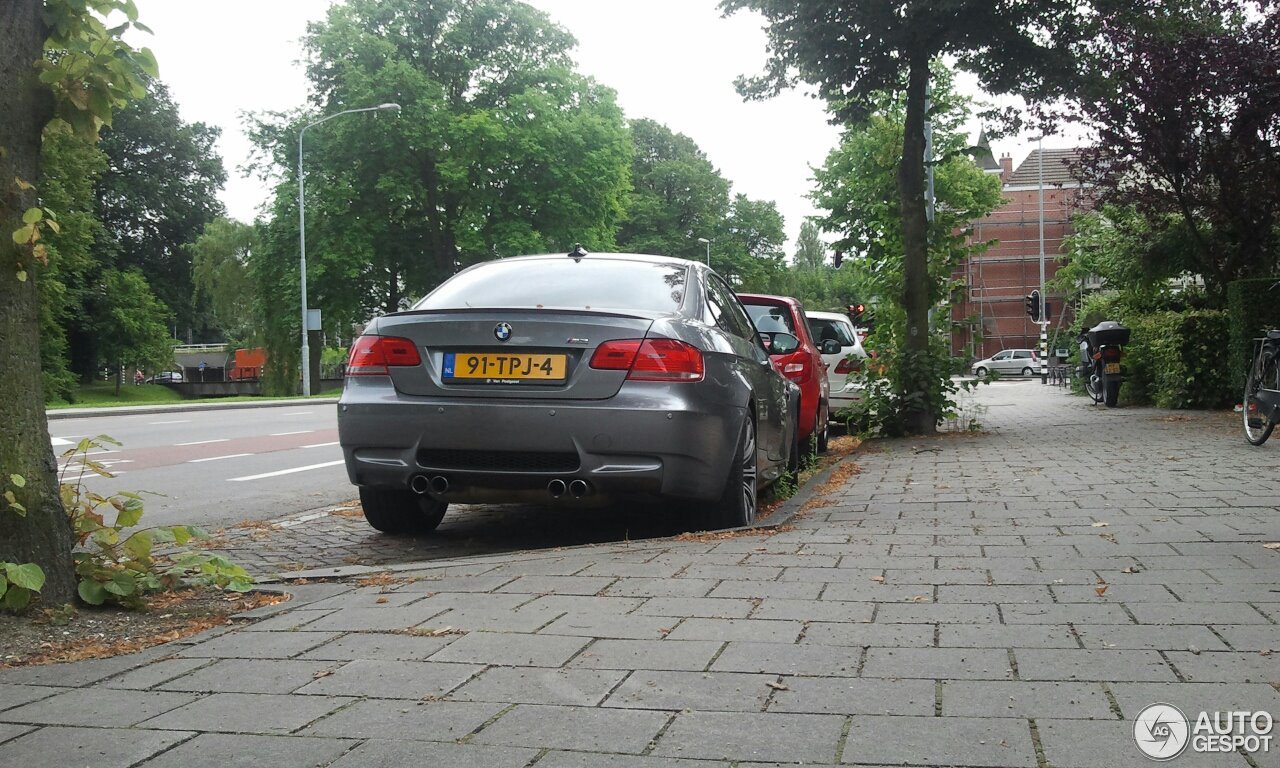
(749, 250)
(856, 188)
(811, 251)
(131, 323)
(677, 195)
(1133, 255)
(158, 193)
(854, 52)
(71, 165)
(223, 282)
(500, 148)
(56, 57)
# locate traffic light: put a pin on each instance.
(838, 259)
(1048, 315)
(856, 312)
(1033, 306)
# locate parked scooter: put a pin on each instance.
(1101, 349)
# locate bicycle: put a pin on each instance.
(1261, 405)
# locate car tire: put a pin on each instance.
(740, 499)
(1028, 372)
(824, 421)
(980, 372)
(400, 511)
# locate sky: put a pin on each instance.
(673, 61)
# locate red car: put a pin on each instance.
(774, 314)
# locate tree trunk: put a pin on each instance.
(919, 417)
(43, 535)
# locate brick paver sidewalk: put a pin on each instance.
(1012, 598)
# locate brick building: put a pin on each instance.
(991, 314)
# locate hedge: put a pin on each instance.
(1252, 308)
(1175, 360)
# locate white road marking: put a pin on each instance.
(219, 458)
(284, 472)
(297, 413)
(179, 421)
(299, 432)
(61, 441)
(205, 442)
(321, 445)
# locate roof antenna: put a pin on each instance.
(578, 252)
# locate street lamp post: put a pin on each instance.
(708, 244)
(302, 235)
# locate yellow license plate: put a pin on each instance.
(505, 366)
(1111, 368)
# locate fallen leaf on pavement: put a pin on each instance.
(1101, 525)
(777, 686)
(921, 599)
(322, 673)
(1129, 569)
(1272, 545)
(878, 579)
(381, 600)
(1102, 590)
(1264, 652)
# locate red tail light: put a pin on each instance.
(1111, 354)
(798, 370)
(650, 359)
(848, 365)
(376, 355)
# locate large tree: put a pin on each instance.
(677, 195)
(855, 187)
(157, 194)
(1187, 113)
(56, 57)
(852, 52)
(499, 148)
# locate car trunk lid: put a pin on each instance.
(519, 354)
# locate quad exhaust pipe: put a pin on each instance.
(579, 488)
(556, 488)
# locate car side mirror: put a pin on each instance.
(782, 344)
(830, 347)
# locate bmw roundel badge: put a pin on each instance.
(502, 331)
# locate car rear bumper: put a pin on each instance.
(655, 441)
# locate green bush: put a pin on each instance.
(1175, 358)
(1186, 365)
(1252, 308)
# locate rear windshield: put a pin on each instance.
(562, 283)
(823, 329)
(770, 319)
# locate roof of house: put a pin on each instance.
(1058, 164)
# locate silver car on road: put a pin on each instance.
(1010, 361)
(579, 378)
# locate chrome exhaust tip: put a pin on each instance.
(439, 484)
(556, 488)
(419, 484)
(579, 488)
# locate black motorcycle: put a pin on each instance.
(1101, 349)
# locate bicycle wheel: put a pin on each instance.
(1264, 374)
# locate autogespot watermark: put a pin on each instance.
(1162, 732)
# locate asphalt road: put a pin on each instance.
(213, 468)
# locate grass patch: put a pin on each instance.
(102, 394)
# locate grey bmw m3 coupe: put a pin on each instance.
(567, 379)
